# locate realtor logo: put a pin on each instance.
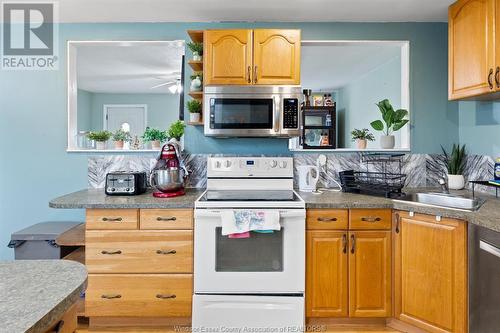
(29, 36)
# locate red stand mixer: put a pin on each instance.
(169, 174)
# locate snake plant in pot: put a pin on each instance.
(394, 121)
(455, 165)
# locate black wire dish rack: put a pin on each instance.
(383, 176)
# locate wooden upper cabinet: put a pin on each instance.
(430, 272)
(227, 57)
(326, 278)
(471, 25)
(276, 56)
(370, 288)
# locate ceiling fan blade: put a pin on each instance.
(162, 84)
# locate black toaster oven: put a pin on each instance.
(126, 183)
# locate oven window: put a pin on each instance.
(259, 253)
(229, 113)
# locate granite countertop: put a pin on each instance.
(96, 198)
(34, 294)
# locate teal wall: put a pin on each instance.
(35, 167)
(358, 98)
(480, 127)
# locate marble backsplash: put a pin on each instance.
(421, 169)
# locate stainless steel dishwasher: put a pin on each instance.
(484, 280)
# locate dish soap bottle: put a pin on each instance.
(497, 169)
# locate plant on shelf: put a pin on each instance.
(194, 106)
(361, 137)
(155, 136)
(196, 49)
(196, 81)
(100, 138)
(455, 165)
(176, 130)
(120, 137)
(394, 121)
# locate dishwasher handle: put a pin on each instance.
(489, 248)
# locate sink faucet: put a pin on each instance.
(444, 185)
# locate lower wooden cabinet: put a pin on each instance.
(370, 288)
(134, 295)
(326, 280)
(431, 272)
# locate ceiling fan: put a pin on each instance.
(174, 85)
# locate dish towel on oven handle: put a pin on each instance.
(245, 220)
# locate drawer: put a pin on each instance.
(152, 219)
(327, 219)
(139, 295)
(139, 251)
(370, 219)
(105, 219)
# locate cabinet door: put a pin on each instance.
(228, 57)
(276, 56)
(326, 277)
(370, 274)
(471, 48)
(430, 272)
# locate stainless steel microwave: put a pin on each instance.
(251, 111)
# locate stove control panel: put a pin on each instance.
(267, 167)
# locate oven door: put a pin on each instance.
(262, 264)
(242, 115)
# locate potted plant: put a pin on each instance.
(196, 49)
(196, 81)
(120, 137)
(100, 138)
(155, 136)
(455, 165)
(394, 121)
(361, 137)
(176, 130)
(194, 106)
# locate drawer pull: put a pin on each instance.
(371, 219)
(111, 252)
(166, 252)
(111, 296)
(112, 219)
(327, 219)
(172, 218)
(167, 296)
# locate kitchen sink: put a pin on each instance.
(444, 200)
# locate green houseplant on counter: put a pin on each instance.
(455, 165)
(120, 137)
(194, 106)
(176, 130)
(361, 137)
(100, 138)
(155, 136)
(394, 121)
(196, 50)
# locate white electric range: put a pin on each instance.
(257, 282)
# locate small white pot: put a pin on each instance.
(196, 84)
(155, 144)
(196, 56)
(456, 182)
(361, 143)
(194, 117)
(101, 145)
(387, 141)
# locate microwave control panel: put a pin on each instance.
(290, 113)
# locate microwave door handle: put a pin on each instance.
(276, 114)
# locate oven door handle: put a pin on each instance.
(489, 248)
(217, 213)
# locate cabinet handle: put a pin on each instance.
(111, 296)
(112, 219)
(171, 218)
(490, 78)
(166, 252)
(255, 75)
(371, 219)
(59, 327)
(397, 223)
(167, 296)
(353, 243)
(497, 77)
(249, 74)
(111, 252)
(327, 219)
(344, 243)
